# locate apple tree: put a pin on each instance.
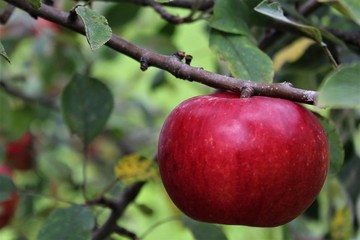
(86, 86)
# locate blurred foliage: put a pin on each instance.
(46, 58)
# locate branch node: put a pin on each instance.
(188, 59)
(288, 84)
(180, 55)
(247, 91)
(72, 15)
(144, 64)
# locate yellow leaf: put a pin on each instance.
(340, 225)
(291, 53)
(133, 168)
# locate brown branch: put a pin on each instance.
(38, 100)
(6, 13)
(204, 5)
(351, 38)
(172, 64)
(166, 15)
(118, 208)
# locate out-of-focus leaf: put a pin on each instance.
(53, 168)
(335, 145)
(291, 53)
(227, 17)
(159, 43)
(243, 58)
(97, 28)
(340, 225)
(273, 10)
(356, 140)
(158, 80)
(7, 187)
(341, 219)
(204, 231)
(350, 8)
(121, 13)
(146, 210)
(35, 3)
(133, 168)
(341, 88)
(72, 223)
(86, 105)
(3, 53)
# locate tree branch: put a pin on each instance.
(14, 92)
(204, 5)
(118, 208)
(166, 15)
(173, 64)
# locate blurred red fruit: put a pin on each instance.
(7, 207)
(19, 153)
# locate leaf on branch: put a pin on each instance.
(72, 223)
(7, 187)
(349, 8)
(273, 10)
(341, 89)
(86, 106)
(3, 53)
(242, 57)
(97, 29)
(35, 3)
(228, 17)
(134, 168)
(335, 145)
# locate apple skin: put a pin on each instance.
(19, 153)
(255, 161)
(7, 207)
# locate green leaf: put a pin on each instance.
(72, 223)
(86, 105)
(335, 145)
(97, 28)
(349, 8)
(243, 58)
(228, 17)
(7, 187)
(341, 89)
(118, 20)
(204, 231)
(35, 3)
(3, 53)
(273, 10)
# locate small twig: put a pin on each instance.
(14, 92)
(205, 5)
(124, 232)
(6, 13)
(349, 37)
(274, 34)
(166, 15)
(118, 207)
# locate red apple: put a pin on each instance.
(19, 153)
(7, 207)
(255, 161)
